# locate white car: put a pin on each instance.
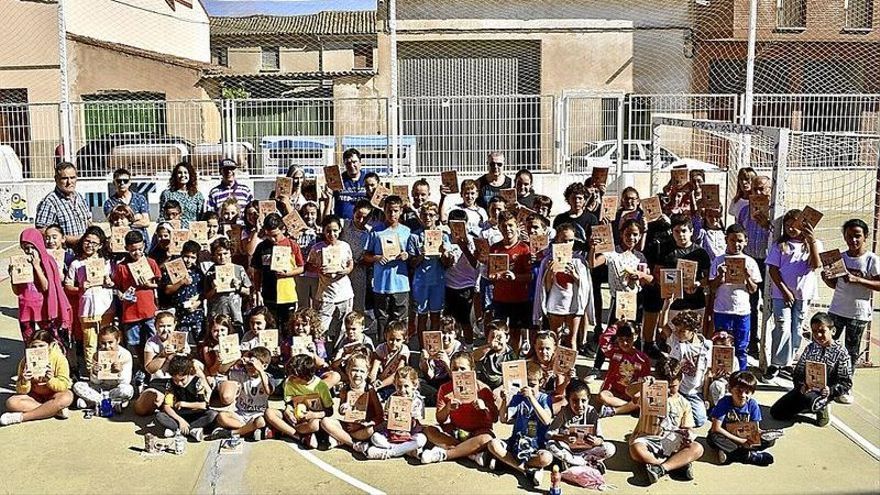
(636, 157)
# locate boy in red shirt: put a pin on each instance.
(138, 296)
(511, 287)
(627, 366)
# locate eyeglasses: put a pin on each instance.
(87, 242)
(122, 182)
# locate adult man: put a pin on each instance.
(134, 200)
(494, 180)
(229, 187)
(64, 206)
(353, 188)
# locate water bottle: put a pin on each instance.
(179, 444)
(555, 479)
(106, 406)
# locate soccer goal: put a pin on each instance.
(837, 173)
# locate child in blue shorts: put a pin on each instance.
(428, 270)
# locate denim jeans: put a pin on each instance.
(698, 408)
(786, 336)
(852, 339)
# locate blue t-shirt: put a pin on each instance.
(430, 272)
(352, 192)
(728, 413)
(526, 422)
(392, 277)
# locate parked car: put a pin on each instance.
(636, 157)
(142, 151)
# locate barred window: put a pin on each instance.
(270, 58)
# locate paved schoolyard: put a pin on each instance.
(104, 456)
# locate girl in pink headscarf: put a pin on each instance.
(42, 303)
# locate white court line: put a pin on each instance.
(335, 472)
(859, 440)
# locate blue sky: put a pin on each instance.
(282, 7)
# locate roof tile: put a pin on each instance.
(327, 22)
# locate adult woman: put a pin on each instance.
(183, 187)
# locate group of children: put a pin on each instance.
(272, 304)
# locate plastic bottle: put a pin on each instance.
(179, 444)
(106, 406)
(555, 478)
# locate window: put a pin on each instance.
(220, 56)
(363, 56)
(791, 14)
(270, 58)
(859, 14)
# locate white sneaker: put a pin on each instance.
(197, 434)
(436, 454)
(846, 398)
(377, 454)
(479, 458)
(81, 403)
(169, 433)
(360, 447)
(10, 418)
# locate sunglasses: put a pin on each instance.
(122, 182)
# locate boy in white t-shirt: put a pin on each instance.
(252, 397)
(731, 308)
(851, 304)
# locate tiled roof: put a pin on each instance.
(294, 75)
(328, 22)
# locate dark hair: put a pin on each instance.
(420, 182)
(371, 175)
(301, 366)
(744, 379)
(363, 203)
(630, 189)
(266, 314)
(192, 187)
(457, 215)
(822, 318)
(629, 222)
(254, 205)
(393, 200)
(119, 172)
(349, 153)
(220, 243)
(263, 354)
(541, 201)
(576, 386)
(180, 365)
(669, 369)
(735, 229)
(624, 330)
(210, 215)
(523, 171)
(133, 237)
(496, 199)
(680, 219)
(463, 355)
(121, 211)
(192, 247)
(331, 219)
(111, 330)
(97, 232)
(575, 188)
(42, 336)
(506, 216)
(273, 221)
(61, 167)
(161, 315)
(855, 222)
(54, 226)
(172, 204)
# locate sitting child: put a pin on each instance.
(119, 389)
(552, 383)
(307, 400)
(387, 443)
(40, 394)
(252, 396)
(626, 366)
(157, 356)
(738, 407)
(464, 429)
(823, 349)
(436, 367)
(530, 412)
(352, 341)
(715, 385)
(185, 409)
(390, 356)
(350, 430)
(489, 358)
(579, 413)
(666, 444)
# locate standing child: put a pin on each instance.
(53, 237)
(230, 300)
(187, 293)
(307, 282)
(356, 433)
(276, 289)
(388, 443)
(461, 294)
(694, 352)
(307, 400)
(390, 356)
(530, 413)
(511, 287)
(791, 263)
(666, 445)
(185, 409)
(161, 241)
(391, 287)
(738, 407)
(335, 295)
(464, 429)
(96, 304)
(469, 191)
(42, 303)
(626, 366)
(851, 304)
(252, 391)
(40, 396)
(118, 389)
(428, 271)
(731, 308)
(838, 375)
(579, 413)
